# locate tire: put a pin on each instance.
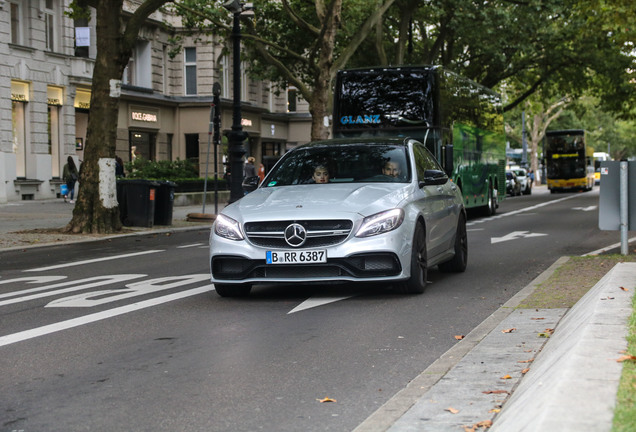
(417, 282)
(491, 207)
(233, 290)
(459, 262)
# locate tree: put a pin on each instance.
(540, 112)
(298, 43)
(96, 209)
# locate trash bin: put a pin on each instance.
(137, 202)
(164, 202)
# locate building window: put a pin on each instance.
(138, 72)
(82, 38)
(50, 25)
(292, 98)
(224, 72)
(16, 21)
(190, 62)
(19, 137)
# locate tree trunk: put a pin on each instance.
(96, 209)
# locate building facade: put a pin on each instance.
(164, 109)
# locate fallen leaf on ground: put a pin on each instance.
(525, 361)
(495, 392)
(626, 357)
(537, 318)
(459, 337)
(624, 289)
(452, 410)
(326, 400)
(549, 330)
(510, 330)
(525, 371)
(506, 377)
(545, 335)
(481, 425)
(495, 410)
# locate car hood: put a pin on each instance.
(318, 201)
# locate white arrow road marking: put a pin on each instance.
(86, 319)
(514, 236)
(315, 302)
(589, 208)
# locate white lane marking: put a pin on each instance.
(514, 236)
(83, 284)
(315, 302)
(86, 319)
(191, 245)
(499, 216)
(30, 280)
(607, 248)
(585, 209)
(91, 261)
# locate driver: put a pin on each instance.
(391, 169)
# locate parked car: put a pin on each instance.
(524, 179)
(513, 186)
(343, 210)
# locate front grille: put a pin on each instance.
(320, 233)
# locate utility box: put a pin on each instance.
(609, 217)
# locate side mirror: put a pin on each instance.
(448, 159)
(434, 177)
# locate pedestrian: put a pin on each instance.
(119, 167)
(250, 177)
(261, 173)
(70, 175)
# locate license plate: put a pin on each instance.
(296, 257)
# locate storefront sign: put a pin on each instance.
(246, 122)
(54, 96)
(144, 116)
(19, 91)
(82, 99)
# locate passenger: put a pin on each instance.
(321, 174)
(391, 169)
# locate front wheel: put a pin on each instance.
(459, 262)
(233, 290)
(417, 282)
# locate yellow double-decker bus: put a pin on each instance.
(569, 167)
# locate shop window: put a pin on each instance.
(190, 63)
(192, 149)
(19, 137)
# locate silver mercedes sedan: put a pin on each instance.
(363, 210)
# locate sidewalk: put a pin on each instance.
(502, 375)
(25, 224)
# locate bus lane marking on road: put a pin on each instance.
(96, 298)
(91, 261)
(78, 285)
(585, 209)
(98, 316)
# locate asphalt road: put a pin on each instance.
(128, 334)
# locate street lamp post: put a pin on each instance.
(236, 136)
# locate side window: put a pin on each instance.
(424, 161)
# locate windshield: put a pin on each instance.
(342, 163)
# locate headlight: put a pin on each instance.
(380, 223)
(227, 227)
